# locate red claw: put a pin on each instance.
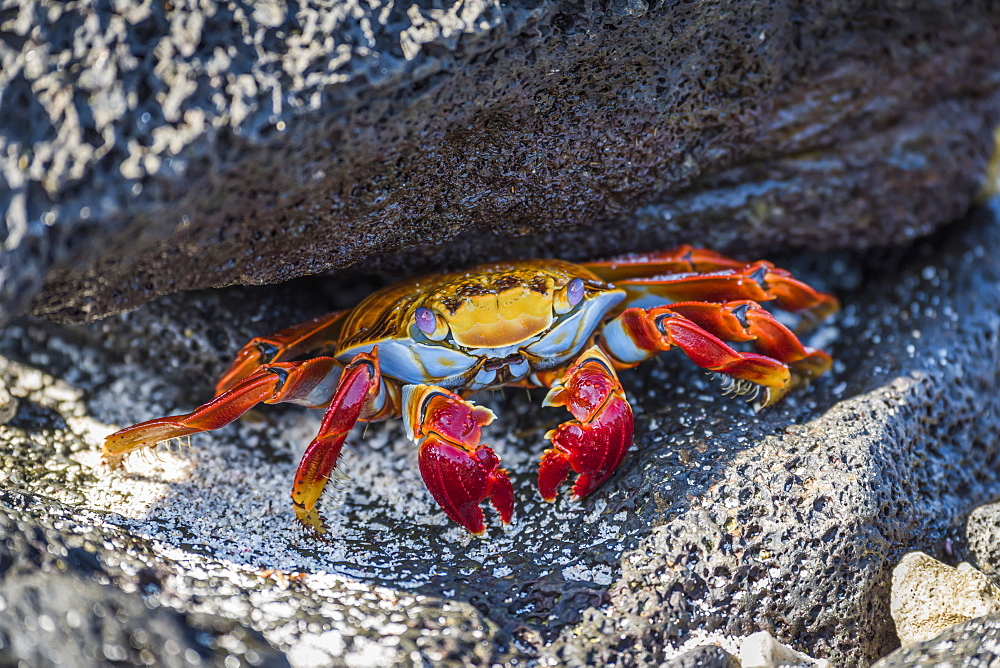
(595, 443)
(459, 480)
(459, 472)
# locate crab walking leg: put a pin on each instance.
(696, 274)
(594, 444)
(360, 395)
(309, 382)
(459, 472)
(638, 334)
(748, 321)
(299, 339)
(681, 260)
(760, 281)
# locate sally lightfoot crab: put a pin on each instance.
(418, 348)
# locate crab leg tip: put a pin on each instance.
(311, 521)
(144, 435)
(357, 387)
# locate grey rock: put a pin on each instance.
(68, 598)
(705, 656)
(148, 147)
(720, 521)
(76, 588)
(971, 644)
(792, 521)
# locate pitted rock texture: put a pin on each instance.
(80, 595)
(971, 644)
(154, 147)
(928, 596)
(720, 521)
(982, 532)
(797, 533)
(80, 590)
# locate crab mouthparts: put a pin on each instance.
(499, 363)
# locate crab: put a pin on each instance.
(419, 348)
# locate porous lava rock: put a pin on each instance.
(150, 147)
(82, 595)
(793, 523)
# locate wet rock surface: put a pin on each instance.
(77, 594)
(800, 533)
(720, 521)
(150, 147)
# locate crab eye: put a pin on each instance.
(569, 296)
(430, 324)
(574, 291)
(426, 321)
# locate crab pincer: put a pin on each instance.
(595, 443)
(459, 472)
